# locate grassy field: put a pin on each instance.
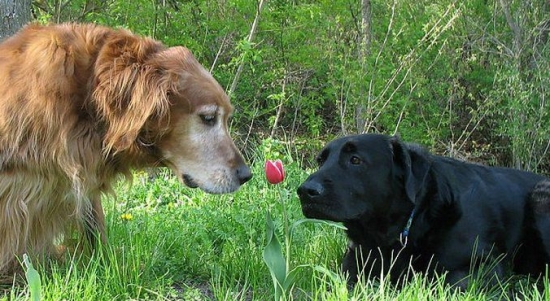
(168, 242)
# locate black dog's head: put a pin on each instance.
(362, 174)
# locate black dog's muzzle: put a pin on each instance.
(313, 199)
(310, 190)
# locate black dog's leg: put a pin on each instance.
(360, 264)
(486, 271)
(350, 266)
(458, 278)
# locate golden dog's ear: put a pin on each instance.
(129, 90)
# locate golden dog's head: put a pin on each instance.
(160, 102)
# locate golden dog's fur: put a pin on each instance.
(81, 104)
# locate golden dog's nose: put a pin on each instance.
(244, 174)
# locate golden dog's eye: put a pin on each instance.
(355, 160)
(208, 119)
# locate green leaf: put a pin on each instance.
(274, 259)
(290, 278)
(323, 270)
(316, 221)
(33, 279)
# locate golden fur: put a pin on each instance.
(81, 104)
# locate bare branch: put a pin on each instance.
(249, 39)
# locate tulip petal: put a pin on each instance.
(274, 171)
(279, 165)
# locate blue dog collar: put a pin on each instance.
(405, 232)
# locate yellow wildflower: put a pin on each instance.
(126, 216)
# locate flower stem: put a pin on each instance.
(286, 225)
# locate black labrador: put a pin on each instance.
(404, 207)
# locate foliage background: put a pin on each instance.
(465, 78)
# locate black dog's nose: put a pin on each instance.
(243, 174)
(310, 189)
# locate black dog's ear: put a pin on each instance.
(413, 164)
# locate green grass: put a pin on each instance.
(167, 242)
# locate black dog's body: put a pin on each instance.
(456, 214)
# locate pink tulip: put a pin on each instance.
(274, 171)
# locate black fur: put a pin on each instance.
(464, 213)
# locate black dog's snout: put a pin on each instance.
(310, 189)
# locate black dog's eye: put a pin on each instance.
(208, 119)
(355, 160)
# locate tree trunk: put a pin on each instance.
(366, 28)
(361, 109)
(529, 37)
(15, 14)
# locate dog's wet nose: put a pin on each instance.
(243, 173)
(310, 189)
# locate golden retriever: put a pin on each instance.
(81, 104)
